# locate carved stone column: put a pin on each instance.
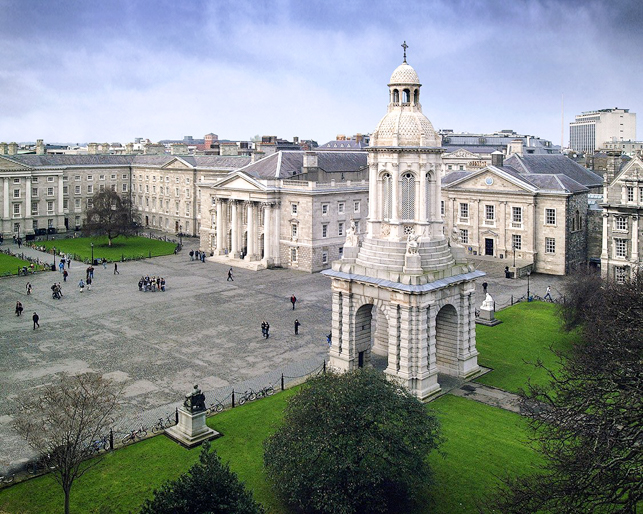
(267, 234)
(252, 241)
(220, 228)
(234, 221)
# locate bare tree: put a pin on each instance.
(65, 419)
(111, 214)
(588, 422)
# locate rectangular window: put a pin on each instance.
(50, 191)
(620, 274)
(77, 178)
(620, 248)
(16, 193)
(550, 217)
(50, 207)
(101, 187)
(324, 257)
(293, 230)
(16, 181)
(293, 208)
(516, 215)
(176, 191)
(50, 223)
(124, 176)
(630, 193)
(340, 208)
(34, 208)
(516, 241)
(124, 188)
(34, 179)
(77, 190)
(65, 190)
(90, 177)
(65, 204)
(550, 245)
(177, 208)
(90, 203)
(77, 203)
(34, 191)
(489, 214)
(187, 180)
(177, 180)
(464, 236)
(325, 230)
(356, 226)
(77, 221)
(147, 188)
(356, 206)
(325, 209)
(50, 179)
(187, 192)
(153, 189)
(113, 187)
(640, 194)
(620, 223)
(341, 252)
(293, 254)
(101, 177)
(34, 224)
(464, 211)
(90, 189)
(442, 207)
(340, 228)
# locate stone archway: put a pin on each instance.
(446, 340)
(363, 343)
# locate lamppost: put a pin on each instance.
(514, 249)
(92, 263)
(528, 295)
(181, 235)
(54, 249)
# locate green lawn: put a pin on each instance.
(9, 264)
(481, 443)
(527, 332)
(122, 247)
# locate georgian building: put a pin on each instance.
(529, 211)
(290, 209)
(48, 194)
(622, 209)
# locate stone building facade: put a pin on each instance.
(528, 211)
(622, 209)
(290, 209)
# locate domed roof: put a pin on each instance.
(405, 128)
(404, 74)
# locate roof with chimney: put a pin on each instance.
(290, 163)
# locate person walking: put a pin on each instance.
(263, 329)
(297, 325)
(267, 330)
(104, 263)
(19, 309)
(293, 300)
(81, 285)
(28, 288)
(89, 284)
(65, 275)
(191, 255)
(230, 276)
(116, 272)
(35, 319)
(548, 294)
(329, 339)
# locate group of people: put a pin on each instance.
(265, 329)
(56, 291)
(151, 284)
(35, 317)
(197, 255)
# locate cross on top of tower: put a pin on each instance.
(405, 46)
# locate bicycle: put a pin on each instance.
(248, 396)
(7, 479)
(266, 391)
(139, 433)
(215, 408)
(98, 445)
(162, 424)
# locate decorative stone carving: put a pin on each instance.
(487, 304)
(412, 244)
(352, 238)
(455, 237)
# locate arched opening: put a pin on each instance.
(427, 195)
(446, 340)
(363, 322)
(387, 197)
(406, 96)
(262, 245)
(408, 196)
(380, 348)
(396, 96)
(416, 96)
(147, 221)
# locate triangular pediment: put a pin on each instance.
(178, 164)
(8, 164)
(239, 181)
(462, 153)
(633, 170)
(490, 178)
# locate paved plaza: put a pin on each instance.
(203, 330)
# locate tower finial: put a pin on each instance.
(405, 46)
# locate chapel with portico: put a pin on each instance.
(407, 292)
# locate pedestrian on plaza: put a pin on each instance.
(116, 272)
(267, 330)
(104, 263)
(81, 285)
(35, 319)
(65, 275)
(19, 309)
(68, 262)
(263, 329)
(89, 284)
(61, 265)
(297, 325)
(60, 289)
(202, 256)
(548, 294)
(230, 275)
(162, 284)
(19, 244)
(191, 255)
(29, 288)
(293, 300)
(329, 339)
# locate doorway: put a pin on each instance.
(488, 246)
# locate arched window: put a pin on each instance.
(387, 197)
(427, 195)
(396, 96)
(416, 96)
(406, 96)
(408, 196)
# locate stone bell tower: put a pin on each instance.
(407, 293)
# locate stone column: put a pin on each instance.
(220, 227)
(28, 228)
(267, 234)
(276, 238)
(395, 190)
(406, 332)
(424, 212)
(252, 242)
(605, 249)
(427, 383)
(234, 221)
(635, 239)
(393, 341)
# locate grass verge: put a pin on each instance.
(127, 248)
(9, 264)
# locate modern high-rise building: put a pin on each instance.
(592, 129)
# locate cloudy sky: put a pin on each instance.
(81, 71)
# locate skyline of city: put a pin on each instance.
(78, 72)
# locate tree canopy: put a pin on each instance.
(351, 442)
(587, 423)
(64, 420)
(112, 215)
(208, 487)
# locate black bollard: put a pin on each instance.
(282, 381)
(324, 366)
(233, 398)
(111, 439)
(176, 415)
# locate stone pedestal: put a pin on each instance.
(412, 264)
(350, 254)
(191, 430)
(487, 317)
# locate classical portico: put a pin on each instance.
(407, 293)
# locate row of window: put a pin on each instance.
(140, 200)
(78, 178)
(630, 194)
(294, 229)
(516, 215)
(162, 190)
(167, 178)
(341, 208)
(516, 241)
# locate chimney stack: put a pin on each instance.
(497, 158)
(40, 147)
(515, 147)
(3, 148)
(13, 148)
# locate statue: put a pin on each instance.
(412, 244)
(455, 238)
(195, 401)
(488, 303)
(351, 235)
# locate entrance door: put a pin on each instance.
(147, 221)
(488, 246)
(176, 227)
(360, 359)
